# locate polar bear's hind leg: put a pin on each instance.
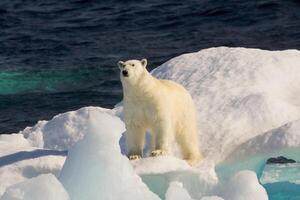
(188, 142)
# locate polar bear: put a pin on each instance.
(162, 107)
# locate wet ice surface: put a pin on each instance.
(281, 173)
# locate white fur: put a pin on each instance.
(163, 107)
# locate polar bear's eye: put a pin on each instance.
(132, 65)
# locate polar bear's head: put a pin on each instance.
(132, 70)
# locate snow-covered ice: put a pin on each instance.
(45, 187)
(28, 168)
(282, 137)
(12, 143)
(248, 105)
(177, 192)
(20, 161)
(211, 198)
(244, 186)
(95, 167)
(158, 173)
(62, 131)
(238, 92)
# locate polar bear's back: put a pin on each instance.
(178, 92)
(179, 99)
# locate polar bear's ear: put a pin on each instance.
(144, 62)
(121, 64)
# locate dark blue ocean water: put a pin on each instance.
(57, 56)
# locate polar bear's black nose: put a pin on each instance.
(125, 73)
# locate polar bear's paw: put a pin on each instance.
(134, 157)
(158, 152)
(194, 160)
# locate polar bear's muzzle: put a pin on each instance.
(125, 73)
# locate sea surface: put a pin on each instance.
(57, 56)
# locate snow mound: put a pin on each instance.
(286, 136)
(244, 185)
(45, 187)
(61, 132)
(28, 164)
(239, 93)
(177, 192)
(20, 161)
(95, 167)
(12, 143)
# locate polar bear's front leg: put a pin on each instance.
(135, 141)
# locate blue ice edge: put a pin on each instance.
(283, 190)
